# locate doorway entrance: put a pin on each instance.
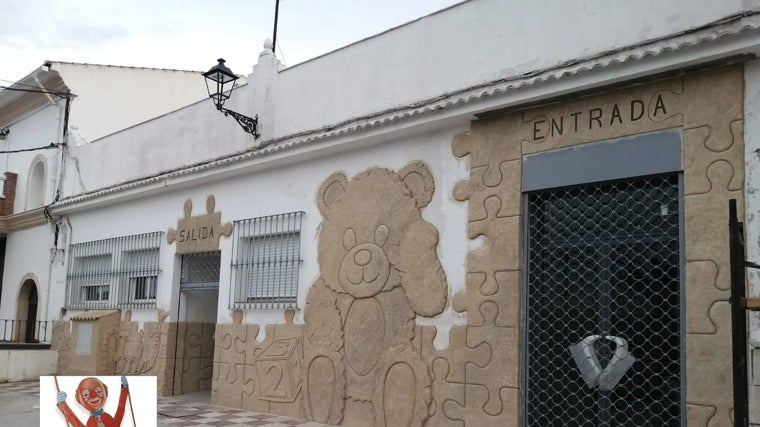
(197, 310)
(26, 313)
(604, 304)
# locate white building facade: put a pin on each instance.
(43, 117)
(473, 219)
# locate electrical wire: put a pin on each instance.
(19, 84)
(37, 90)
(24, 150)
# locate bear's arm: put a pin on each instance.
(323, 323)
(422, 275)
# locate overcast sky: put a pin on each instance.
(187, 34)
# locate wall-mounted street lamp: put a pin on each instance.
(220, 82)
(4, 133)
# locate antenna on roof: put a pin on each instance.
(276, 13)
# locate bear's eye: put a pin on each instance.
(349, 239)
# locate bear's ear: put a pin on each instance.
(419, 181)
(330, 190)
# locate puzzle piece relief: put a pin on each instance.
(708, 367)
(473, 412)
(443, 390)
(200, 233)
(501, 199)
(699, 159)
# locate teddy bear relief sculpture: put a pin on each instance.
(379, 269)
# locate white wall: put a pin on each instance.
(27, 251)
(472, 43)
(37, 130)
(752, 184)
(188, 136)
(199, 306)
(469, 44)
(27, 365)
(109, 99)
(752, 220)
(285, 188)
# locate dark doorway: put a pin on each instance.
(26, 312)
(603, 304)
(31, 316)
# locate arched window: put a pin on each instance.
(35, 193)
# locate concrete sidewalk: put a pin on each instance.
(19, 406)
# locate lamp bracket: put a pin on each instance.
(249, 124)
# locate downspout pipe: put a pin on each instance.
(62, 134)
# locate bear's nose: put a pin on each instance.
(362, 257)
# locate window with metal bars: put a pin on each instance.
(121, 272)
(266, 261)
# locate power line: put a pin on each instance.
(36, 90)
(23, 150)
(18, 84)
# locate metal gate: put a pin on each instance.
(603, 304)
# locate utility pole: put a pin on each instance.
(274, 36)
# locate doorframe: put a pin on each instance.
(523, 334)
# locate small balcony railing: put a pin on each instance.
(24, 331)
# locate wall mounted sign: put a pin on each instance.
(199, 233)
(591, 370)
(597, 117)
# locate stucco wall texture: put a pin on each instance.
(361, 359)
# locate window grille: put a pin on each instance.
(604, 273)
(114, 273)
(267, 257)
(200, 270)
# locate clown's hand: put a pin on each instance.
(124, 382)
(61, 396)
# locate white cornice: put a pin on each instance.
(23, 220)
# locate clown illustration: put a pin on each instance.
(92, 394)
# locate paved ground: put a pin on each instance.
(19, 406)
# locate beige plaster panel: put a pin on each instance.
(707, 106)
(702, 293)
(61, 341)
(500, 198)
(191, 368)
(97, 362)
(134, 351)
(709, 369)
(242, 367)
(200, 233)
(475, 379)
(623, 112)
(123, 349)
(379, 269)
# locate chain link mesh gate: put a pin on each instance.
(603, 274)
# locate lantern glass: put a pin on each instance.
(220, 81)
